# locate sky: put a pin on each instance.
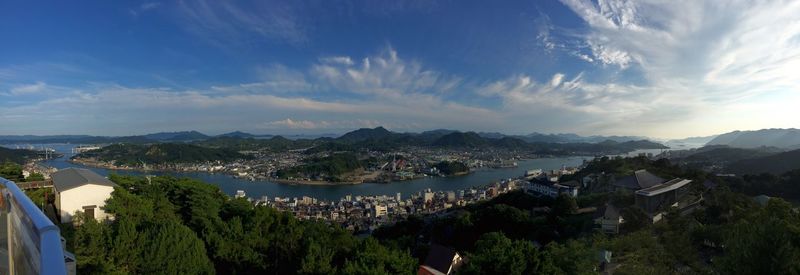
(663, 69)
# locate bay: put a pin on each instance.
(257, 189)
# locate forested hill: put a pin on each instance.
(774, 164)
(18, 156)
(161, 153)
(781, 138)
(183, 226)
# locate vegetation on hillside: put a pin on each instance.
(18, 156)
(449, 168)
(183, 226)
(330, 168)
(161, 153)
(730, 233)
(186, 226)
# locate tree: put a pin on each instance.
(768, 243)
(635, 219)
(172, 248)
(564, 205)
(11, 171)
(497, 254)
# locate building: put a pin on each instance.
(81, 190)
(440, 260)
(609, 219)
(551, 189)
(656, 199)
(240, 194)
(641, 179)
(380, 210)
(428, 196)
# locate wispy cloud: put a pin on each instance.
(698, 59)
(393, 92)
(144, 7)
(227, 23)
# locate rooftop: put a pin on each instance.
(70, 178)
(665, 187)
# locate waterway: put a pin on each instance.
(257, 189)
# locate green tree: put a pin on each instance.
(564, 205)
(768, 243)
(11, 171)
(497, 254)
(172, 248)
(635, 219)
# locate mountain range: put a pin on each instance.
(781, 138)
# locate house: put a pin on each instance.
(551, 189)
(81, 190)
(609, 219)
(640, 179)
(440, 260)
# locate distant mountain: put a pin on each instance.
(694, 140)
(177, 136)
(239, 134)
(776, 164)
(641, 144)
(781, 138)
(494, 135)
(573, 138)
(724, 155)
(84, 139)
(365, 134)
(433, 135)
(458, 139)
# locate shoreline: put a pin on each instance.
(101, 165)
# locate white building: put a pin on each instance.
(551, 189)
(81, 190)
(380, 210)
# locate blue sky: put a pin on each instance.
(656, 68)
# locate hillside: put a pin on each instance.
(15, 155)
(458, 139)
(781, 138)
(163, 153)
(775, 164)
(365, 134)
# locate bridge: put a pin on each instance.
(35, 184)
(29, 242)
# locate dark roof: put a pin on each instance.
(573, 183)
(608, 212)
(640, 179)
(709, 184)
(440, 258)
(69, 178)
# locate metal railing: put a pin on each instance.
(34, 242)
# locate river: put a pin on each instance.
(257, 189)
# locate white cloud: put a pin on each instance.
(28, 89)
(144, 7)
(556, 80)
(383, 75)
(343, 60)
(697, 59)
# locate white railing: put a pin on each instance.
(34, 242)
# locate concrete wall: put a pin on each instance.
(75, 199)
